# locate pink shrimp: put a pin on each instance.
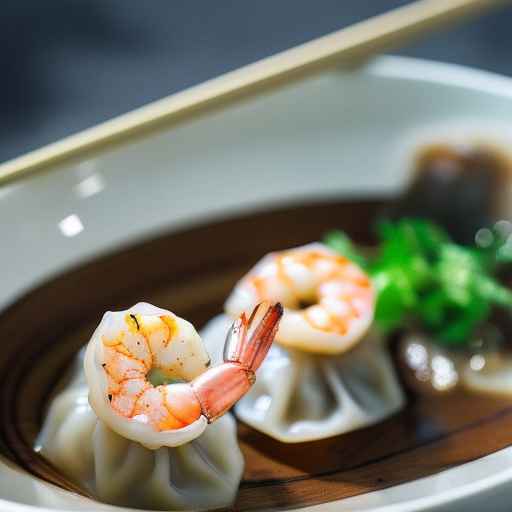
(138, 346)
(329, 300)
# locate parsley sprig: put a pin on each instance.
(422, 277)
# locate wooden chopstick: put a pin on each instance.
(348, 45)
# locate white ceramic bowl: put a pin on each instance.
(340, 133)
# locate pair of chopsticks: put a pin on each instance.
(349, 45)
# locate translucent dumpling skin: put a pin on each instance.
(302, 397)
(142, 460)
(203, 473)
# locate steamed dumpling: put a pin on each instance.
(128, 462)
(325, 375)
(202, 473)
(300, 397)
(146, 426)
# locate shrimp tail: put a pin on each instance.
(249, 340)
(247, 344)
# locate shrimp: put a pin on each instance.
(329, 301)
(148, 372)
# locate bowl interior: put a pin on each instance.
(341, 134)
(191, 272)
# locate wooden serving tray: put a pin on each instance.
(191, 273)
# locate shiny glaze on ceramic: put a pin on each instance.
(191, 272)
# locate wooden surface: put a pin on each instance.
(191, 273)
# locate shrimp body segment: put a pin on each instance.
(148, 374)
(329, 301)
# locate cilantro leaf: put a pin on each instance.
(422, 277)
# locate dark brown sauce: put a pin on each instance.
(461, 189)
(192, 272)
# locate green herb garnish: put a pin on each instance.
(422, 276)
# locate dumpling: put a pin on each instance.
(430, 367)
(302, 397)
(326, 374)
(203, 472)
(488, 374)
(138, 432)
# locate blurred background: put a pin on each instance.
(69, 64)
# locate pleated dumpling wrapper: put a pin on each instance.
(327, 373)
(146, 427)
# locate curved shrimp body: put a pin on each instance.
(148, 373)
(329, 301)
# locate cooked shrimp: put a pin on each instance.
(147, 371)
(329, 301)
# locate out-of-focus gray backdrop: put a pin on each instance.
(69, 64)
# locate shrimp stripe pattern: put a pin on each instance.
(329, 301)
(130, 348)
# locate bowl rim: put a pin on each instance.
(148, 120)
(391, 67)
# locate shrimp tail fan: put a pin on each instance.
(249, 339)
